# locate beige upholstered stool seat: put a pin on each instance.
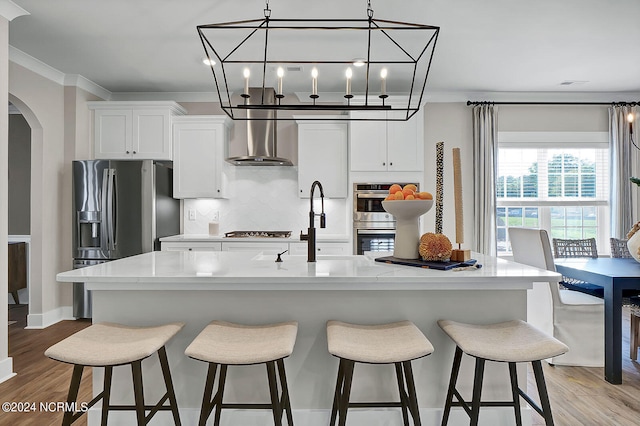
(377, 344)
(508, 342)
(511, 341)
(109, 344)
(224, 342)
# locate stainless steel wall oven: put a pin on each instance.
(373, 228)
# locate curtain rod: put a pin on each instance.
(634, 103)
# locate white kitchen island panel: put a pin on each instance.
(197, 287)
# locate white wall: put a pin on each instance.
(451, 124)
(58, 118)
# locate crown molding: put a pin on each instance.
(166, 96)
(87, 85)
(9, 10)
(29, 62)
(37, 66)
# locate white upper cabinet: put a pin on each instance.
(199, 150)
(133, 130)
(381, 146)
(322, 156)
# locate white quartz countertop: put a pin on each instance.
(176, 270)
(188, 238)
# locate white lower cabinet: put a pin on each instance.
(265, 248)
(191, 246)
(321, 248)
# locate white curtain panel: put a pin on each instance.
(621, 151)
(485, 155)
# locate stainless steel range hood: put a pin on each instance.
(261, 134)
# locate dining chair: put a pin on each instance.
(619, 248)
(586, 247)
(634, 329)
(576, 319)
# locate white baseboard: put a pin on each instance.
(6, 369)
(489, 416)
(44, 320)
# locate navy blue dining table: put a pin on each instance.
(615, 275)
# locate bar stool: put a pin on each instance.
(108, 345)
(511, 342)
(396, 343)
(224, 343)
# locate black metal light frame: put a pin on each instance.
(404, 105)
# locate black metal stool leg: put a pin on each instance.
(106, 395)
(403, 395)
(207, 403)
(455, 369)
(286, 401)
(411, 390)
(72, 396)
(338, 393)
(477, 391)
(273, 390)
(138, 391)
(220, 394)
(346, 392)
(515, 392)
(166, 373)
(542, 392)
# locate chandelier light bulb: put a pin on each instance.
(383, 82)
(314, 82)
(246, 74)
(630, 117)
(209, 62)
(349, 74)
(280, 74)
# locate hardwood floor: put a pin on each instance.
(39, 379)
(579, 396)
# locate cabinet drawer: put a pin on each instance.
(265, 248)
(192, 246)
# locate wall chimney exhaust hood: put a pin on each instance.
(261, 133)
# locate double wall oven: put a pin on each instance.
(373, 228)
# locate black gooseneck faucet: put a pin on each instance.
(310, 236)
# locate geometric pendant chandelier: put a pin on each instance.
(353, 69)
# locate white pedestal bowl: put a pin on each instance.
(407, 214)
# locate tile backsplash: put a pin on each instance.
(264, 198)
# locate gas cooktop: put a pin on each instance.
(258, 234)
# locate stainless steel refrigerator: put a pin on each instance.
(121, 208)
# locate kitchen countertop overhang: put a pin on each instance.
(170, 270)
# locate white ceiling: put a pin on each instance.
(485, 46)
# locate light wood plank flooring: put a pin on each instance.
(579, 396)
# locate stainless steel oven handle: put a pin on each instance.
(379, 196)
(361, 231)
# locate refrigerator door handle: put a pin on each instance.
(111, 205)
(104, 215)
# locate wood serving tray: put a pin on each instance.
(426, 264)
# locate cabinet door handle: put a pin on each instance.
(391, 164)
(190, 249)
(134, 152)
(126, 152)
(384, 164)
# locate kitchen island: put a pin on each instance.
(251, 288)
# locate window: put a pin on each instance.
(558, 181)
